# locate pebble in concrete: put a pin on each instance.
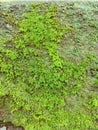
(3, 128)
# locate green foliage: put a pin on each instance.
(36, 80)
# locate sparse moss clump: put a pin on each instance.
(35, 82)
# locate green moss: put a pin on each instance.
(37, 81)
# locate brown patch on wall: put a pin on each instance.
(10, 126)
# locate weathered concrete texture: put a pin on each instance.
(28, 0)
(45, 0)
